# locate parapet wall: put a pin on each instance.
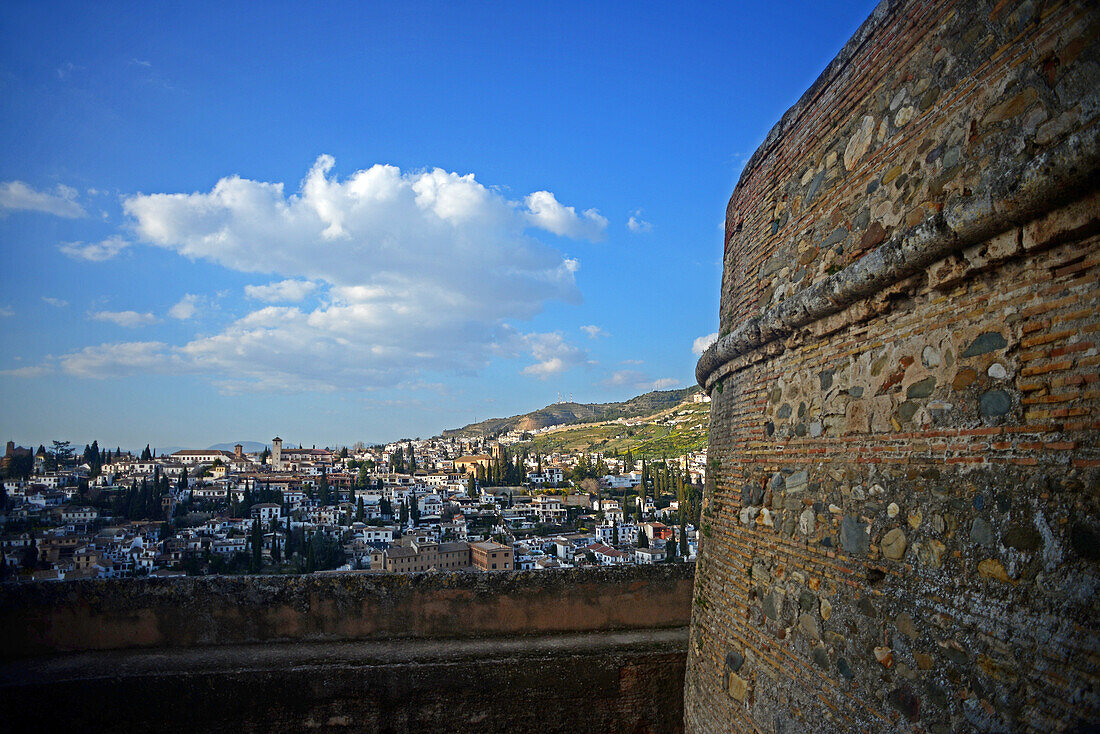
(901, 531)
(226, 610)
(555, 651)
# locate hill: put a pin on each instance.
(667, 433)
(569, 413)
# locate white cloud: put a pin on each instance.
(18, 196)
(55, 302)
(27, 372)
(593, 331)
(422, 270)
(6, 311)
(286, 291)
(701, 344)
(128, 319)
(185, 308)
(121, 360)
(95, 251)
(545, 212)
(552, 353)
(638, 225)
(639, 381)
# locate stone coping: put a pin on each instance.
(1052, 179)
(111, 664)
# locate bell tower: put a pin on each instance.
(276, 454)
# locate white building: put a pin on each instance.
(648, 556)
(548, 509)
(200, 456)
(265, 512)
(430, 505)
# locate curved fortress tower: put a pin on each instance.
(902, 524)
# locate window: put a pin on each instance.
(494, 566)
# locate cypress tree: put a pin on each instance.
(257, 547)
(311, 554)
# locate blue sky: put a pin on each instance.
(355, 221)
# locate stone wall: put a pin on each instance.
(557, 651)
(901, 527)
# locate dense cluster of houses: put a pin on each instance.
(212, 507)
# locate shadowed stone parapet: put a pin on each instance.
(552, 651)
(44, 618)
(904, 502)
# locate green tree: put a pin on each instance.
(30, 553)
(257, 543)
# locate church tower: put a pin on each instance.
(276, 454)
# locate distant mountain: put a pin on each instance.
(250, 447)
(559, 413)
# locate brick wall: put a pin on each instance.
(901, 531)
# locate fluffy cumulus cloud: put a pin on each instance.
(186, 307)
(638, 225)
(128, 319)
(544, 211)
(553, 355)
(418, 271)
(95, 251)
(701, 343)
(286, 291)
(18, 196)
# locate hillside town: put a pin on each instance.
(439, 504)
